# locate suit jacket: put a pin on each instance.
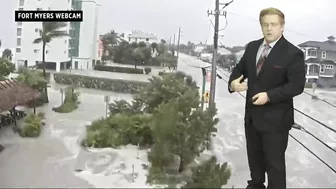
(282, 77)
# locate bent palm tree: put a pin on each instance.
(49, 31)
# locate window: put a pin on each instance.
(147, 39)
(19, 31)
(19, 23)
(65, 41)
(324, 54)
(312, 52)
(20, 9)
(18, 41)
(330, 67)
(18, 50)
(322, 68)
(39, 9)
(36, 50)
(47, 51)
(65, 52)
(21, 2)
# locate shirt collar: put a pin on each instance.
(271, 44)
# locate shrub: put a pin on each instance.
(118, 69)
(70, 102)
(119, 130)
(115, 85)
(32, 125)
(163, 73)
(148, 70)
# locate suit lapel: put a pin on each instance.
(275, 51)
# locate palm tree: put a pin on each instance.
(7, 53)
(49, 31)
(331, 38)
(154, 46)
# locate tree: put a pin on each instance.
(209, 175)
(154, 46)
(184, 126)
(138, 57)
(6, 67)
(161, 90)
(34, 79)
(50, 30)
(7, 53)
(142, 44)
(161, 49)
(331, 38)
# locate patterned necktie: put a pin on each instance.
(263, 57)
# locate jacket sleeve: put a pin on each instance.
(296, 76)
(239, 70)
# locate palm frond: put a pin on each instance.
(52, 26)
(38, 40)
(56, 34)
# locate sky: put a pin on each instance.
(305, 19)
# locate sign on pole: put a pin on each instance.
(208, 75)
(206, 96)
(107, 99)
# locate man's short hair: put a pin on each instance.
(272, 11)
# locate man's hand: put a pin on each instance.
(260, 98)
(237, 86)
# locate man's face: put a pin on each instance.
(271, 27)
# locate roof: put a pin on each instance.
(240, 53)
(199, 49)
(224, 51)
(317, 60)
(326, 45)
(14, 93)
(143, 35)
(312, 60)
(327, 62)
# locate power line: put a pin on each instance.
(321, 160)
(317, 121)
(296, 126)
(323, 100)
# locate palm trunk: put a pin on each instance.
(181, 167)
(46, 99)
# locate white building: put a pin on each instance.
(81, 45)
(138, 36)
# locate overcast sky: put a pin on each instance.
(305, 19)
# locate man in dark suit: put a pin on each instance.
(275, 73)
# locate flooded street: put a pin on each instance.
(50, 160)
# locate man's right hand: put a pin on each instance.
(237, 85)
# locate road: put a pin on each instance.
(303, 169)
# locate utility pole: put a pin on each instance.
(178, 42)
(174, 50)
(216, 13)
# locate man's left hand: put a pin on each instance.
(260, 98)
